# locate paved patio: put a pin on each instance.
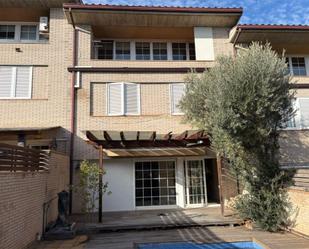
(151, 219)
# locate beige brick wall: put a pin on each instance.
(50, 102)
(300, 200)
(21, 201)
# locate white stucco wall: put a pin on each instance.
(120, 178)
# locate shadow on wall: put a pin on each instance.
(294, 147)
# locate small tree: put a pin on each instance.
(243, 102)
(88, 186)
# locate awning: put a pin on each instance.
(27, 129)
(150, 16)
(151, 143)
(35, 3)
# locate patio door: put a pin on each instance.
(195, 183)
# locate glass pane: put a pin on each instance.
(179, 51)
(191, 51)
(7, 32)
(151, 187)
(28, 32)
(104, 50)
(195, 182)
(142, 50)
(299, 66)
(159, 51)
(123, 51)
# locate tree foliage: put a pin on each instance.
(88, 186)
(243, 102)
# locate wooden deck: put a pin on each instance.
(151, 219)
(128, 240)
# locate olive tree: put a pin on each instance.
(243, 102)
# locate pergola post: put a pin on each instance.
(219, 169)
(100, 182)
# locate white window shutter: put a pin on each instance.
(23, 82)
(177, 91)
(6, 83)
(115, 106)
(304, 112)
(131, 102)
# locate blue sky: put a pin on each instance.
(255, 11)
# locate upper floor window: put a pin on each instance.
(177, 92)
(123, 99)
(7, 32)
(19, 33)
(159, 51)
(123, 51)
(142, 50)
(297, 65)
(15, 82)
(179, 51)
(28, 32)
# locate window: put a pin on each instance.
(15, 82)
(301, 117)
(123, 51)
(7, 32)
(142, 50)
(191, 52)
(179, 51)
(159, 51)
(155, 183)
(123, 99)
(298, 66)
(28, 32)
(177, 92)
(104, 50)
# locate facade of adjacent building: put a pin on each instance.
(75, 76)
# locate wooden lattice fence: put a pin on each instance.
(15, 158)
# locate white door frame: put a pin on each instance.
(205, 201)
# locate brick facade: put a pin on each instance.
(21, 201)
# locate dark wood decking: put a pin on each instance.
(151, 219)
(127, 240)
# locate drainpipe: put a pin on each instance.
(234, 43)
(73, 110)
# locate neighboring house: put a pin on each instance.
(114, 75)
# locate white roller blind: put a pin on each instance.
(115, 99)
(204, 45)
(304, 112)
(6, 82)
(131, 102)
(23, 79)
(177, 92)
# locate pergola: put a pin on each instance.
(126, 144)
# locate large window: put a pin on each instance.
(159, 51)
(123, 51)
(104, 50)
(142, 50)
(297, 65)
(177, 92)
(15, 82)
(123, 99)
(19, 33)
(155, 183)
(28, 32)
(7, 32)
(179, 51)
(301, 118)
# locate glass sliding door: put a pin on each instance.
(195, 183)
(155, 183)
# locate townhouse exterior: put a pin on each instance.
(76, 76)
